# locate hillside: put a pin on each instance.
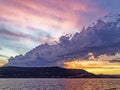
(43, 72)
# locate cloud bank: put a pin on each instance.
(41, 21)
(101, 38)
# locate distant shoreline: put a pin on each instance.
(48, 72)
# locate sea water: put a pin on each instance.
(59, 84)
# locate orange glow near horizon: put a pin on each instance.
(2, 63)
(109, 71)
(96, 67)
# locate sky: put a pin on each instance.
(99, 65)
(25, 24)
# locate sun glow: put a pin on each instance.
(94, 68)
(94, 65)
(110, 71)
(2, 62)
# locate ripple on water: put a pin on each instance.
(59, 84)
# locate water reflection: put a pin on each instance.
(92, 84)
(59, 84)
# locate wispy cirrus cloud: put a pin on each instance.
(7, 33)
(4, 56)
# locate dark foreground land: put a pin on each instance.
(48, 72)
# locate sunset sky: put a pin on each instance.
(25, 24)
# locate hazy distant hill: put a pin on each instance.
(102, 37)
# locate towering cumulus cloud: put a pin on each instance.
(101, 38)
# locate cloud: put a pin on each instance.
(41, 21)
(101, 38)
(112, 58)
(50, 13)
(45, 15)
(3, 56)
(7, 33)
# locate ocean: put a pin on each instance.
(59, 84)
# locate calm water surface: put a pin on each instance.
(59, 84)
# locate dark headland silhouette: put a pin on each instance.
(48, 72)
(43, 72)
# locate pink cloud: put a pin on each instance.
(35, 11)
